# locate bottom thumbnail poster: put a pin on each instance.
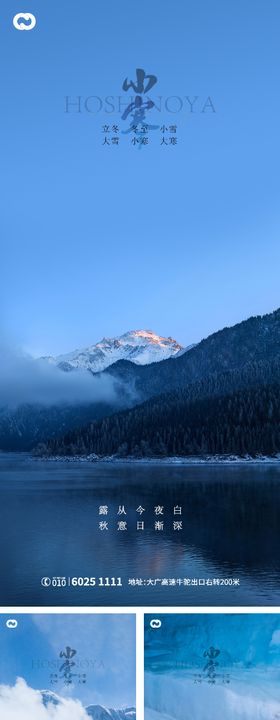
(212, 667)
(67, 667)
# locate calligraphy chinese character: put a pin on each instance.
(139, 86)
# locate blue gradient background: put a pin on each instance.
(107, 641)
(181, 240)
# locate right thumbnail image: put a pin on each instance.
(212, 667)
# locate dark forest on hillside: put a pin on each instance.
(246, 421)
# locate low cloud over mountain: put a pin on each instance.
(21, 702)
(24, 380)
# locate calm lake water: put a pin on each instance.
(50, 528)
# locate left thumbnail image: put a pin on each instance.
(57, 667)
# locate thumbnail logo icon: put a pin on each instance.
(24, 21)
(155, 624)
(11, 624)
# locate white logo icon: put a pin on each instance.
(24, 21)
(11, 624)
(155, 624)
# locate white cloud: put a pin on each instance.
(25, 380)
(21, 702)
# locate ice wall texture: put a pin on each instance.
(244, 641)
(212, 667)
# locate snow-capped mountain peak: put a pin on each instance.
(98, 712)
(49, 697)
(139, 346)
(94, 712)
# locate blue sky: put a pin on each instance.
(106, 642)
(181, 240)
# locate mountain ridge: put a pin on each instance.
(141, 347)
(256, 338)
(95, 712)
(230, 350)
(230, 364)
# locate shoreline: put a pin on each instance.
(173, 461)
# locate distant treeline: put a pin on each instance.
(241, 421)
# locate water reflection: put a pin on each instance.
(50, 527)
